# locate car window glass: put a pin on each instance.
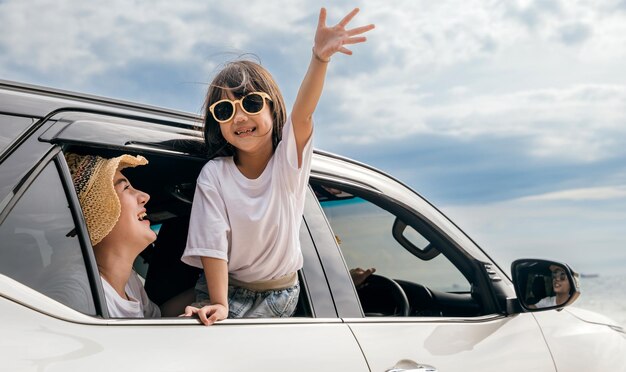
(10, 128)
(364, 233)
(39, 245)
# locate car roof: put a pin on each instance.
(39, 101)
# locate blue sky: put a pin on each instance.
(509, 115)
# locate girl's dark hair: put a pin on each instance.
(240, 78)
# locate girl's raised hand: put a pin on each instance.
(330, 40)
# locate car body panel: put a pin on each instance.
(17, 292)
(36, 341)
(567, 334)
(487, 344)
(591, 317)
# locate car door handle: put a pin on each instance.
(406, 365)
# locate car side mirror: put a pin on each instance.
(544, 285)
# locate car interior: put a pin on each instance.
(170, 182)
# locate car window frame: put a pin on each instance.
(320, 300)
(14, 136)
(472, 269)
(60, 132)
(83, 236)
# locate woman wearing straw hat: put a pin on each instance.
(115, 215)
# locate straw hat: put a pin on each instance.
(93, 180)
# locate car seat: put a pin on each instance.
(167, 275)
(538, 290)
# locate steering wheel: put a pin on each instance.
(382, 296)
(421, 299)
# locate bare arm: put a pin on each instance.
(328, 41)
(359, 275)
(216, 272)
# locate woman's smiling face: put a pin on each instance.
(132, 228)
(559, 281)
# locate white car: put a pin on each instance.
(437, 301)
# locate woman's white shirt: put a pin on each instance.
(137, 306)
(546, 302)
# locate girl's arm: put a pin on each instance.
(328, 41)
(216, 272)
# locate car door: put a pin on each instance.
(452, 324)
(53, 310)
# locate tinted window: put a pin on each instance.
(10, 128)
(40, 248)
(364, 232)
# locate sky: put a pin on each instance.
(510, 116)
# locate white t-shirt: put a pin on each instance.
(139, 305)
(546, 302)
(253, 224)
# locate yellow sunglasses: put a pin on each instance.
(252, 104)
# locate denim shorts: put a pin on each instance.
(246, 303)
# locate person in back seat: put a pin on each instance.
(115, 214)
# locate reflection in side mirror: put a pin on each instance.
(544, 285)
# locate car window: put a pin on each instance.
(10, 128)
(39, 245)
(364, 232)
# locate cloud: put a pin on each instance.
(583, 123)
(532, 13)
(446, 33)
(485, 169)
(574, 33)
(437, 33)
(591, 193)
(558, 85)
(80, 40)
